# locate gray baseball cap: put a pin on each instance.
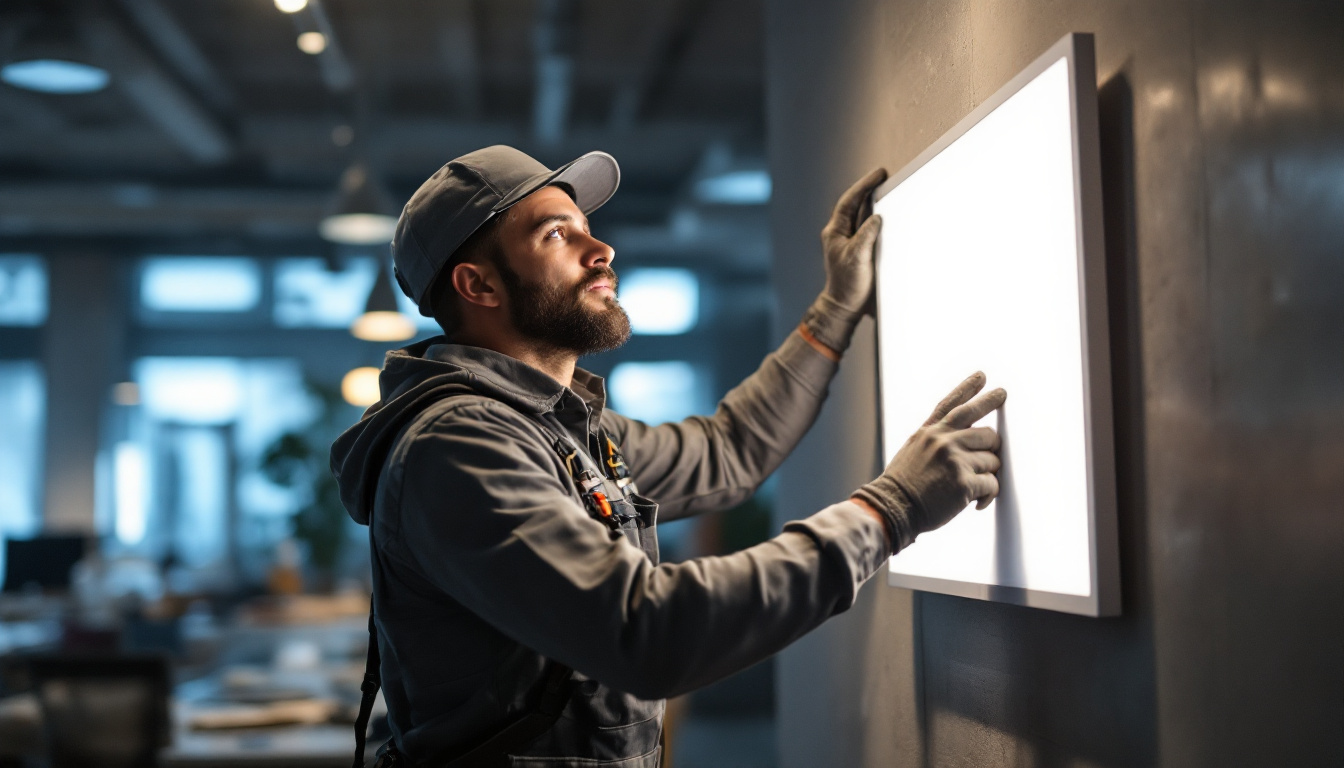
(469, 191)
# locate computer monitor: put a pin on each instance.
(44, 561)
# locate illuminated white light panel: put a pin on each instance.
(979, 269)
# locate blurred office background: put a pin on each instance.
(196, 198)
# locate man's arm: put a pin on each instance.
(709, 463)
(486, 515)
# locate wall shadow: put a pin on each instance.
(1009, 568)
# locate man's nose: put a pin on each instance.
(597, 253)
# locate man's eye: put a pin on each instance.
(555, 233)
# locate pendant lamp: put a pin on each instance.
(360, 213)
(49, 57)
(382, 321)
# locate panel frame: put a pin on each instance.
(1104, 598)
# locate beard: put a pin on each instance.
(557, 316)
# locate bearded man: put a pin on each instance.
(521, 615)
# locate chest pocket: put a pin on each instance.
(640, 529)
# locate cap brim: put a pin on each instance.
(594, 178)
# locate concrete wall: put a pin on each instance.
(1223, 150)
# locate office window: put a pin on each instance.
(661, 301)
(190, 390)
(200, 284)
(749, 187)
(657, 392)
(22, 414)
(23, 290)
(310, 295)
(186, 480)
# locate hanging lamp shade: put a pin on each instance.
(360, 214)
(49, 57)
(382, 321)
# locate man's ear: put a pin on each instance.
(477, 284)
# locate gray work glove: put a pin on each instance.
(944, 466)
(847, 242)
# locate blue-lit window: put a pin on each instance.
(657, 392)
(23, 290)
(308, 294)
(198, 432)
(22, 414)
(747, 187)
(200, 284)
(660, 301)
(190, 390)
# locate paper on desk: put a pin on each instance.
(304, 712)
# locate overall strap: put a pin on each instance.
(369, 690)
(494, 751)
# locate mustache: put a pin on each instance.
(599, 273)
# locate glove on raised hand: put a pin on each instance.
(944, 466)
(848, 249)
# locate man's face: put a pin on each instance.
(560, 285)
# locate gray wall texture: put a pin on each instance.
(1223, 154)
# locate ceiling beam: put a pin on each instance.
(459, 50)
(337, 73)
(553, 49)
(177, 48)
(32, 112)
(157, 95)
(111, 210)
(670, 31)
(75, 209)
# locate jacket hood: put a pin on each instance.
(413, 379)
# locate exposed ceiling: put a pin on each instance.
(216, 124)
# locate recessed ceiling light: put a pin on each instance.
(291, 6)
(312, 43)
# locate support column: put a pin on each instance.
(82, 348)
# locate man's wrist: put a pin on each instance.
(873, 513)
(830, 323)
(825, 351)
(894, 507)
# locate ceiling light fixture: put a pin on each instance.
(381, 320)
(291, 6)
(48, 58)
(312, 43)
(360, 215)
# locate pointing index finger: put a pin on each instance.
(964, 416)
(964, 391)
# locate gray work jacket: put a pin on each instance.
(487, 564)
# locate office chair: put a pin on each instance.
(104, 711)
